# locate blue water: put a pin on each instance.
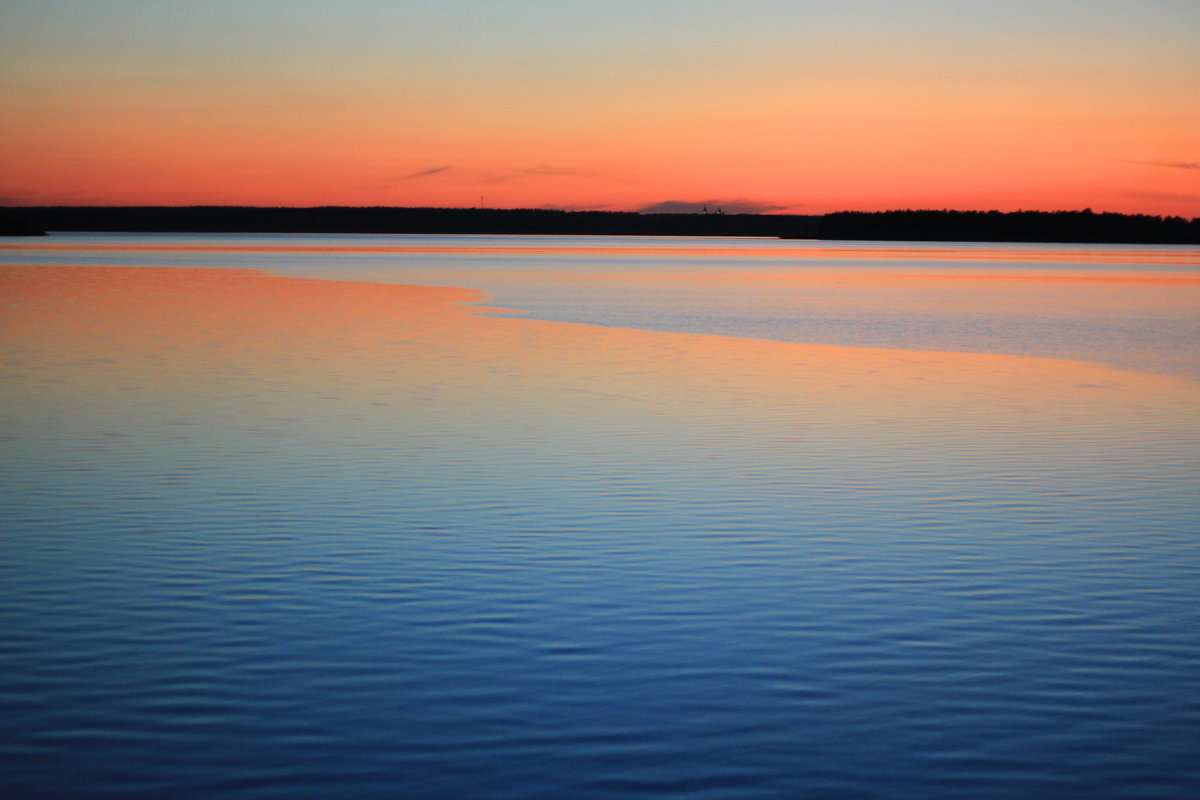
(317, 570)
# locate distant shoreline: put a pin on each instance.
(379, 219)
(983, 226)
(18, 227)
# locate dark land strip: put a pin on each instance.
(961, 226)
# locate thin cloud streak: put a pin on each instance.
(425, 173)
(1168, 164)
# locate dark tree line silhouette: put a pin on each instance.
(1016, 226)
(380, 219)
(908, 225)
(10, 226)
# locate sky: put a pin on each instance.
(791, 106)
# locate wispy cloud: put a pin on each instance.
(425, 173)
(739, 205)
(1168, 164)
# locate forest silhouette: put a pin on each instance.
(906, 225)
(381, 219)
(10, 226)
(1016, 226)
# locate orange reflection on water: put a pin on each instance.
(167, 338)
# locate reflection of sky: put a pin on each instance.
(362, 534)
(1133, 306)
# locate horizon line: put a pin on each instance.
(638, 212)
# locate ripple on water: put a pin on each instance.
(528, 559)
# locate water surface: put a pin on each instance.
(272, 536)
(1132, 306)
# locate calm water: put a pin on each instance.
(284, 526)
(1136, 307)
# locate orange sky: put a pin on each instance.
(796, 106)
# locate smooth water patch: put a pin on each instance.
(271, 537)
(1131, 306)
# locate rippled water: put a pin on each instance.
(284, 537)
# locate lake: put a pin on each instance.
(521, 517)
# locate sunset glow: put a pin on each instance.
(799, 107)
